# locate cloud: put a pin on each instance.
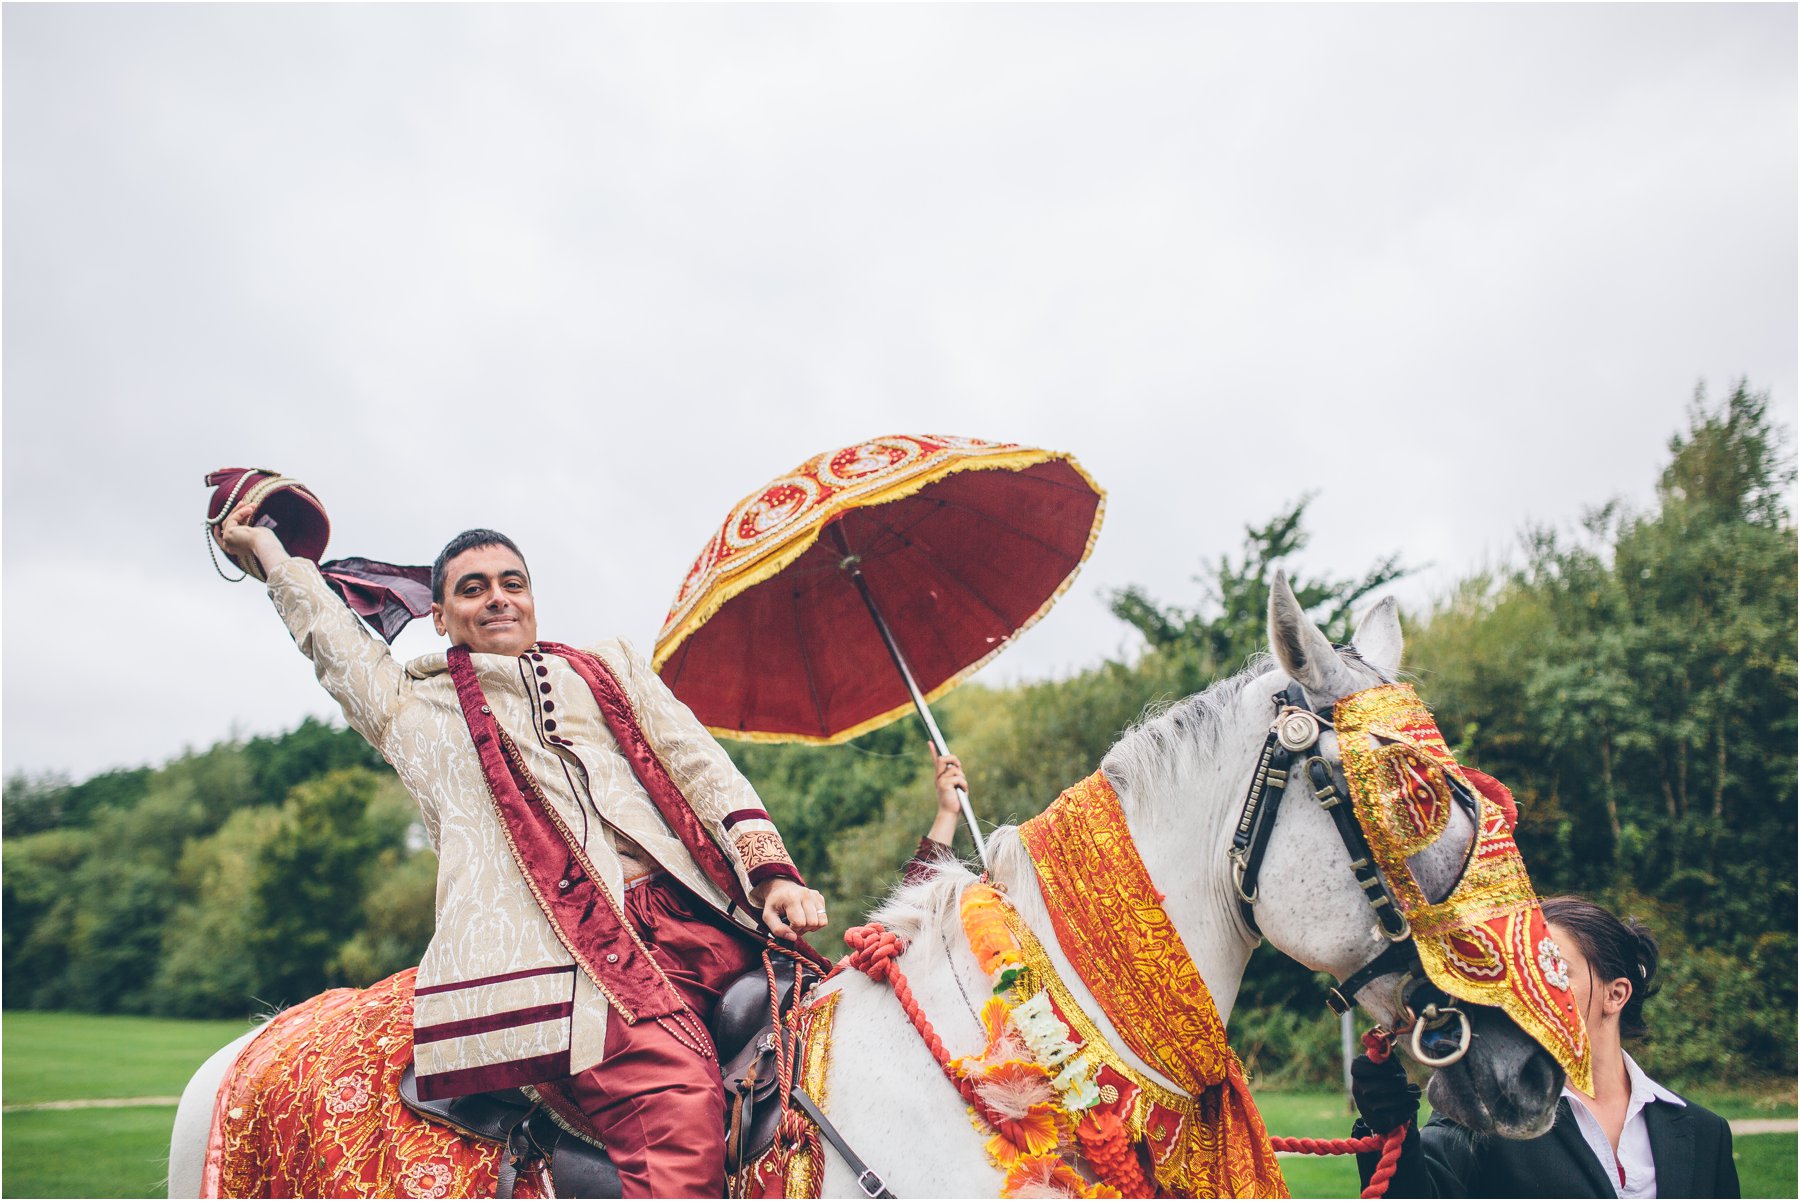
(589, 274)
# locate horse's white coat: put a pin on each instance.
(1181, 776)
(193, 1118)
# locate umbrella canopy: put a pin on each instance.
(961, 544)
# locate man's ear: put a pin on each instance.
(437, 618)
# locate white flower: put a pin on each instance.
(1550, 959)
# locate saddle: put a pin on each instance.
(540, 1124)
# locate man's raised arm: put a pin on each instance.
(355, 666)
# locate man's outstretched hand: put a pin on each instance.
(253, 546)
(790, 909)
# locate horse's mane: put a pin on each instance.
(1164, 752)
(1167, 749)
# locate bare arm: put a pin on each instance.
(949, 777)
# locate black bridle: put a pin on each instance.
(1291, 747)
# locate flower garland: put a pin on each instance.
(1037, 1081)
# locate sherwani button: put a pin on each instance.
(612, 959)
(543, 671)
(543, 688)
(485, 709)
(550, 723)
(563, 885)
(549, 705)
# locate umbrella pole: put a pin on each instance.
(854, 570)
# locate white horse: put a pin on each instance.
(1181, 778)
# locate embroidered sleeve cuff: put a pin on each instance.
(759, 847)
(773, 871)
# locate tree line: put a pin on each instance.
(1631, 677)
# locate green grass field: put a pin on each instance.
(122, 1152)
(76, 1056)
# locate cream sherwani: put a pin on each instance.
(497, 992)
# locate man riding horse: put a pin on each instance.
(602, 864)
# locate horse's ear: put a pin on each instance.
(1301, 648)
(1377, 638)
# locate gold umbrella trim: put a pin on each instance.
(781, 554)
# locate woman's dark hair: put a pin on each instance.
(1614, 949)
(467, 540)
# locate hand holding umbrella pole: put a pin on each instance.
(965, 542)
(851, 565)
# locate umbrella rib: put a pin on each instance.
(930, 562)
(812, 685)
(1003, 524)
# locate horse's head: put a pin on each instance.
(1322, 897)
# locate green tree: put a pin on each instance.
(1231, 623)
(309, 880)
(39, 908)
(1634, 682)
(309, 750)
(399, 917)
(208, 966)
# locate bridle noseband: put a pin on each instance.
(1291, 747)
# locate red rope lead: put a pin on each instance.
(1377, 1045)
(873, 950)
(1388, 1144)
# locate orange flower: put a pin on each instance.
(1014, 1087)
(1106, 1144)
(995, 1018)
(1035, 1134)
(1003, 1042)
(984, 925)
(1043, 1176)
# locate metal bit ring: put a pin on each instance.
(1462, 1043)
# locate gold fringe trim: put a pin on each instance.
(803, 541)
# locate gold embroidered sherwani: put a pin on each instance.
(498, 994)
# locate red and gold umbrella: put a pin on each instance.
(924, 553)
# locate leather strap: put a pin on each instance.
(1250, 841)
(1397, 957)
(871, 1184)
(1362, 861)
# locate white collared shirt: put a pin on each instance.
(1633, 1169)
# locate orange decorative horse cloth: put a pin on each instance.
(312, 1109)
(1109, 919)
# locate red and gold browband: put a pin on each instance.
(1485, 943)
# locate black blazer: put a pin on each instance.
(1691, 1145)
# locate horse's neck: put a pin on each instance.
(1185, 854)
(1197, 899)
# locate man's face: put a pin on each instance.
(487, 603)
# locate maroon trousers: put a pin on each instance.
(656, 1099)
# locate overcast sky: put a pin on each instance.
(589, 275)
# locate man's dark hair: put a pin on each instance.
(468, 540)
